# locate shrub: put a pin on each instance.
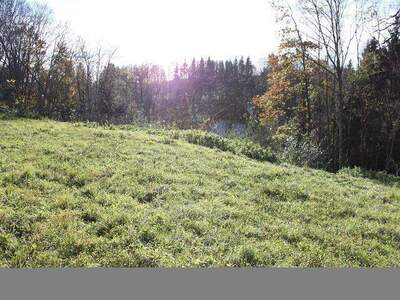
(302, 151)
(234, 145)
(297, 148)
(355, 172)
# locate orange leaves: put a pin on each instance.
(271, 104)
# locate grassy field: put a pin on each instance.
(72, 195)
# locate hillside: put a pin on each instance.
(72, 195)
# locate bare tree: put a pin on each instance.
(336, 27)
(22, 43)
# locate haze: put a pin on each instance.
(165, 32)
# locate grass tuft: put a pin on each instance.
(90, 195)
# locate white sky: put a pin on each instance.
(168, 31)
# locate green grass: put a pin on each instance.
(72, 195)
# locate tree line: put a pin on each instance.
(323, 98)
(43, 72)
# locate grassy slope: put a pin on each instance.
(77, 196)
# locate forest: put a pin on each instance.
(325, 99)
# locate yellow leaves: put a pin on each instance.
(269, 109)
(288, 79)
(271, 104)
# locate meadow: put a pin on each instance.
(84, 195)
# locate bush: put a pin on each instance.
(302, 151)
(234, 145)
(298, 149)
(355, 172)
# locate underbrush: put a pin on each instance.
(237, 146)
